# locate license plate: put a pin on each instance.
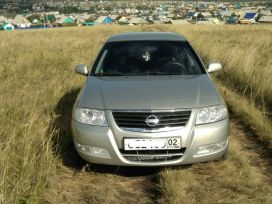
(152, 144)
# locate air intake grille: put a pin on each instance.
(152, 155)
(138, 119)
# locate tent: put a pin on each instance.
(8, 26)
(238, 5)
(36, 21)
(265, 19)
(21, 21)
(137, 21)
(123, 20)
(88, 23)
(232, 20)
(68, 20)
(104, 20)
(51, 18)
(250, 16)
(179, 22)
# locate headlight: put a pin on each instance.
(211, 114)
(91, 116)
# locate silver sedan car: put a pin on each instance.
(149, 101)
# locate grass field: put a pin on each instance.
(38, 88)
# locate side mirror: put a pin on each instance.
(81, 69)
(213, 67)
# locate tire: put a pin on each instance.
(225, 155)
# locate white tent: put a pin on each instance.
(179, 22)
(61, 19)
(266, 19)
(21, 21)
(138, 20)
(9, 27)
(206, 14)
(266, 13)
(123, 20)
(35, 21)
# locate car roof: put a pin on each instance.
(147, 36)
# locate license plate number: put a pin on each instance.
(152, 144)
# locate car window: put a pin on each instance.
(147, 58)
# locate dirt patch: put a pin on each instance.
(253, 150)
(96, 185)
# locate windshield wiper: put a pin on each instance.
(107, 74)
(159, 73)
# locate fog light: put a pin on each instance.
(93, 151)
(210, 149)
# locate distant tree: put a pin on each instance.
(33, 17)
(141, 7)
(48, 19)
(108, 8)
(92, 9)
(10, 13)
(69, 9)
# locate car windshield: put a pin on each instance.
(146, 58)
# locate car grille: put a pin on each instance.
(136, 120)
(152, 155)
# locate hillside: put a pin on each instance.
(38, 88)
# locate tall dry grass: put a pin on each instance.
(245, 52)
(246, 55)
(234, 180)
(36, 73)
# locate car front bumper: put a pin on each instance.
(111, 140)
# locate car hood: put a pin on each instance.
(149, 92)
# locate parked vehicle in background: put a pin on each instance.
(148, 101)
